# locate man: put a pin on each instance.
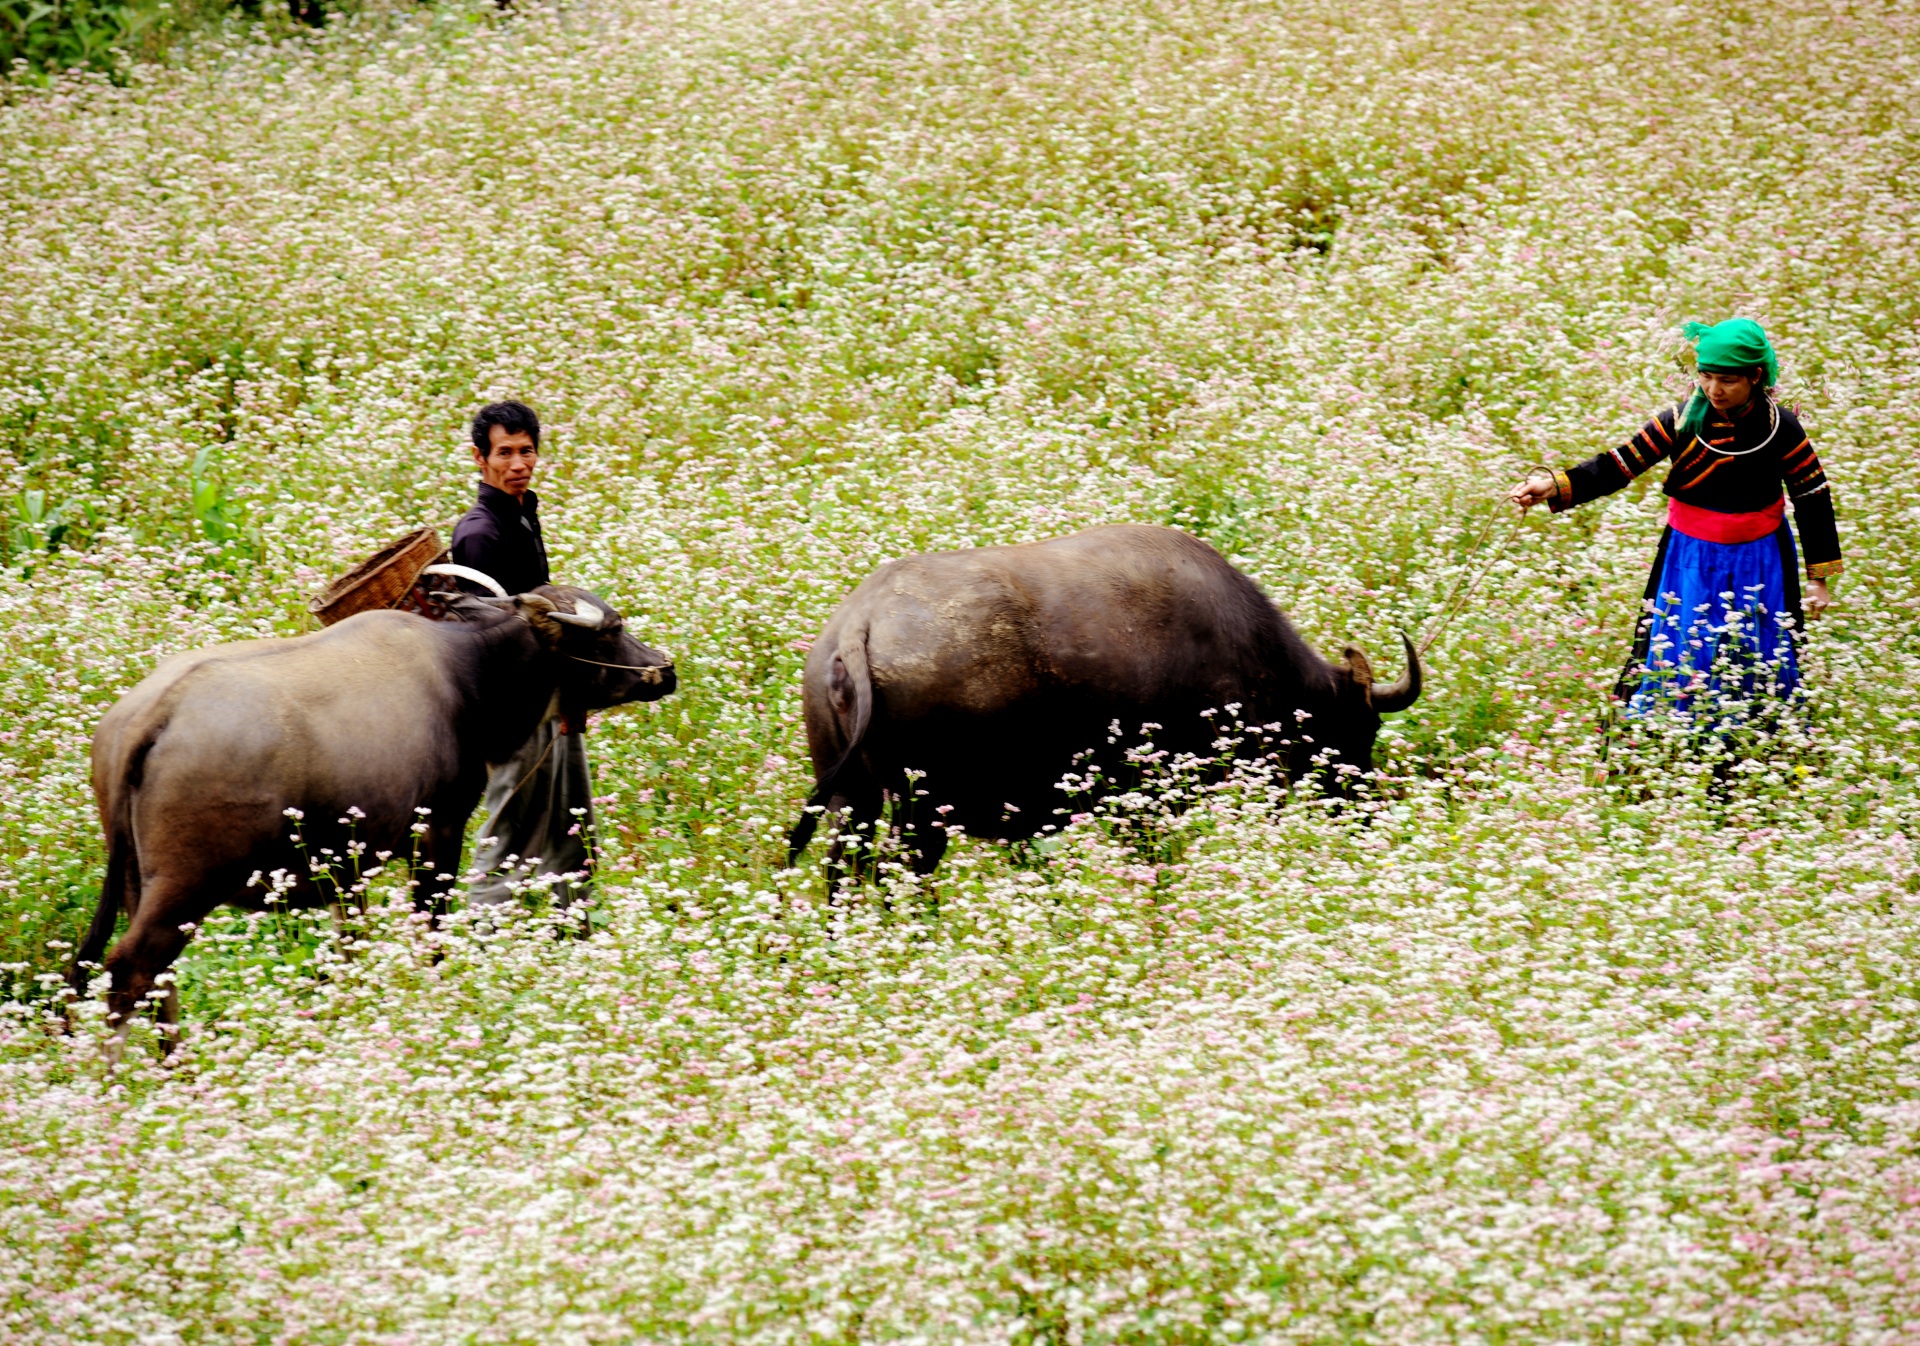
(540, 801)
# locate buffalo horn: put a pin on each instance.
(1401, 694)
(590, 615)
(469, 574)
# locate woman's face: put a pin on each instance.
(1727, 392)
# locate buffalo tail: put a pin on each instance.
(121, 887)
(112, 898)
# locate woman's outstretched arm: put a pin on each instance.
(1602, 474)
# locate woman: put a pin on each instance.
(1724, 594)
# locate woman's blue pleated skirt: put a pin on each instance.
(1718, 626)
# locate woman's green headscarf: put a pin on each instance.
(1736, 346)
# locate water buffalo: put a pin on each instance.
(196, 768)
(989, 673)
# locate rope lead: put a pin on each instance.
(1457, 601)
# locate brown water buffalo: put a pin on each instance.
(196, 768)
(990, 674)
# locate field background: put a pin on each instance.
(1544, 1044)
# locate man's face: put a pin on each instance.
(1727, 392)
(508, 463)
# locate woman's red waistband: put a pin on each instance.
(1710, 525)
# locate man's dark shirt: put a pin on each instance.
(501, 537)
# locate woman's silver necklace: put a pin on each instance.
(1742, 453)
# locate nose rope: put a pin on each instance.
(648, 672)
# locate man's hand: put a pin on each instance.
(1817, 599)
(1537, 489)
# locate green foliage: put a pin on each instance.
(41, 38)
(213, 509)
(50, 35)
(34, 526)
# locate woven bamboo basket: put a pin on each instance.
(383, 580)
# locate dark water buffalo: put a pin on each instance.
(991, 671)
(194, 769)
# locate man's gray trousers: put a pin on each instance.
(539, 819)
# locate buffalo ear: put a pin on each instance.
(1357, 666)
(537, 610)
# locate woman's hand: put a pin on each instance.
(1816, 600)
(1537, 489)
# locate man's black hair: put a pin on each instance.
(513, 417)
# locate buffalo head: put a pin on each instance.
(1347, 732)
(600, 664)
(603, 665)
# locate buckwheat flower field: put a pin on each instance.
(1563, 1033)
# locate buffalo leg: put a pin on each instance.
(929, 844)
(168, 1015)
(919, 826)
(439, 868)
(855, 817)
(153, 940)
